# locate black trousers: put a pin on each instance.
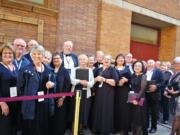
(152, 108)
(165, 107)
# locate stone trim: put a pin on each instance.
(144, 11)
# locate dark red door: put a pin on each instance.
(142, 51)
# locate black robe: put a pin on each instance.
(138, 121)
(121, 105)
(8, 79)
(59, 120)
(103, 108)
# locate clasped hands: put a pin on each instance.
(170, 91)
(122, 81)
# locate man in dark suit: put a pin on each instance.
(155, 81)
(69, 61)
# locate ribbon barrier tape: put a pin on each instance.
(23, 98)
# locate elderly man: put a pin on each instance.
(154, 84)
(19, 47)
(31, 44)
(69, 59)
(99, 58)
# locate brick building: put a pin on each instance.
(147, 28)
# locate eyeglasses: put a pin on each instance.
(56, 58)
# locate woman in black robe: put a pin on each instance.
(8, 79)
(137, 109)
(121, 95)
(103, 108)
(35, 80)
(59, 120)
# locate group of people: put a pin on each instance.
(116, 97)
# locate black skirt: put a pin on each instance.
(38, 126)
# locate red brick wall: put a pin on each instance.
(167, 7)
(114, 27)
(13, 29)
(167, 43)
(177, 47)
(78, 22)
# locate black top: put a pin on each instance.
(7, 79)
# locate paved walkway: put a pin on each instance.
(162, 130)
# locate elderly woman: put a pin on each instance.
(84, 84)
(58, 121)
(174, 90)
(8, 79)
(106, 78)
(35, 80)
(137, 111)
(47, 57)
(165, 100)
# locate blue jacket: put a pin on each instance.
(63, 80)
(158, 77)
(28, 85)
(24, 62)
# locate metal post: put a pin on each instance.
(76, 116)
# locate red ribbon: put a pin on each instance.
(23, 98)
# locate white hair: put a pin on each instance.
(177, 60)
(48, 54)
(19, 41)
(68, 42)
(83, 56)
(33, 42)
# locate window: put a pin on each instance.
(144, 34)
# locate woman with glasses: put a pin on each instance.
(8, 79)
(106, 78)
(137, 112)
(62, 79)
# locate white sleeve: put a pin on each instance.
(74, 81)
(91, 79)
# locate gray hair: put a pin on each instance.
(38, 48)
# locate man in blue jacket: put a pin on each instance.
(154, 84)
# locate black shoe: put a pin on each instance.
(152, 130)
